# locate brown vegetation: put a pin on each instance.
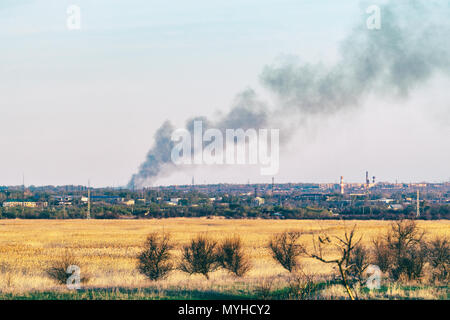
(154, 262)
(231, 256)
(199, 256)
(29, 248)
(286, 250)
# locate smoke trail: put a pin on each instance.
(406, 51)
(158, 158)
(411, 46)
(247, 112)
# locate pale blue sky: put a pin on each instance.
(84, 104)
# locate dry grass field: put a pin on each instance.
(107, 250)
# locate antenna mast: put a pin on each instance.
(23, 193)
(418, 204)
(89, 201)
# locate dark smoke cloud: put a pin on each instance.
(411, 46)
(158, 158)
(406, 51)
(247, 112)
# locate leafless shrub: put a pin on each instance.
(286, 249)
(359, 261)
(382, 254)
(154, 261)
(406, 250)
(231, 256)
(199, 256)
(439, 258)
(302, 286)
(9, 273)
(345, 246)
(59, 271)
(264, 287)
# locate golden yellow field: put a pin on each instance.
(108, 249)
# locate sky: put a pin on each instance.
(79, 105)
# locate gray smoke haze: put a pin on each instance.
(411, 47)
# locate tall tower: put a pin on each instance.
(273, 184)
(342, 185)
(23, 193)
(418, 205)
(88, 216)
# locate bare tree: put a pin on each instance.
(359, 262)
(382, 254)
(407, 249)
(286, 249)
(439, 258)
(345, 246)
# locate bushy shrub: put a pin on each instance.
(286, 249)
(59, 271)
(263, 288)
(231, 256)
(302, 287)
(358, 263)
(402, 251)
(439, 258)
(154, 261)
(382, 254)
(199, 256)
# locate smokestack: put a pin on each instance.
(342, 185)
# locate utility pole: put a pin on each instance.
(89, 201)
(64, 204)
(273, 184)
(418, 205)
(23, 193)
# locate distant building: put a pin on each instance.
(106, 199)
(63, 200)
(396, 207)
(26, 204)
(129, 202)
(277, 215)
(174, 201)
(385, 200)
(257, 201)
